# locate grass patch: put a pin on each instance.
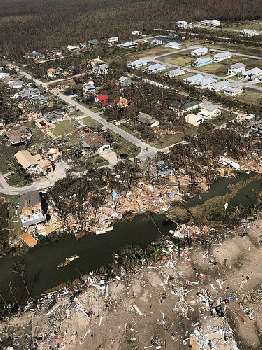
(152, 52)
(251, 96)
(63, 128)
(254, 25)
(16, 180)
(122, 146)
(91, 123)
(218, 69)
(181, 59)
(15, 224)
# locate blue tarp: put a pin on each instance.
(115, 195)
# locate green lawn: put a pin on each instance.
(251, 96)
(254, 25)
(181, 59)
(14, 221)
(152, 52)
(218, 69)
(91, 123)
(63, 128)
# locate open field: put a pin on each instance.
(218, 69)
(63, 128)
(181, 59)
(251, 96)
(151, 52)
(254, 25)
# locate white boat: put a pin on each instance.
(68, 261)
(99, 231)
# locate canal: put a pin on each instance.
(94, 251)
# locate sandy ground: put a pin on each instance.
(162, 306)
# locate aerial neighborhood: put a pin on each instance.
(160, 128)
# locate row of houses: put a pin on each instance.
(203, 61)
(204, 82)
(239, 69)
(205, 23)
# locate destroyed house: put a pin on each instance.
(95, 141)
(18, 134)
(146, 119)
(30, 208)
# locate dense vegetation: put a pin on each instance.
(41, 24)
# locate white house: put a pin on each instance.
(153, 68)
(176, 72)
(194, 79)
(220, 56)
(4, 75)
(101, 69)
(210, 111)
(136, 32)
(138, 63)
(253, 73)
(16, 84)
(89, 87)
(113, 40)
(201, 51)
(205, 82)
(194, 119)
(227, 161)
(181, 24)
(236, 69)
(211, 22)
(173, 45)
(128, 44)
(249, 32)
(220, 85)
(234, 88)
(72, 47)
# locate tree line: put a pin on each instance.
(41, 25)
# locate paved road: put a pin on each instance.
(146, 150)
(40, 184)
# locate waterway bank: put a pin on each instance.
(40, 263)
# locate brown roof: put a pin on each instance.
(94, 140)
(145, 118)
(26, 159)
(28, 239)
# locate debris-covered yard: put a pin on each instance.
(199, 297)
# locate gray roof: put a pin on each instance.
(194, 78)
(32, 199)
(210, 107)
(222, 54)
(206, 81)
(220, 85)
(238, 65)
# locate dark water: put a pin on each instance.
(94, 251)
(220, 188)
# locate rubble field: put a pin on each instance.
(199, 297)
